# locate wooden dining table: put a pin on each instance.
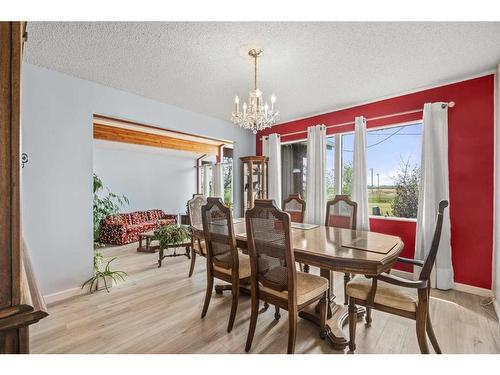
(340, 250)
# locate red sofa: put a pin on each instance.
(122, 229)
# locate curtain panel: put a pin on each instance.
(218, 181)
(271, 147)
(359, 174)
(287, 171)
(434, 187)
(315, 182)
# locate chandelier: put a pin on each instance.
(256, 115)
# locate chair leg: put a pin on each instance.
(292, 330)
(208, 295)
(306, 268)
(277, 315)
(368, 317)
(322, 317)
(253, 322)
(234, 304)
(347, 278)
(352, 324)
(193, 261)
(432, 336)
(421, 337)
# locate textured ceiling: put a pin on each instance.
(311, 67)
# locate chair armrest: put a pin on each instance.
(395, 280)
(415, 262)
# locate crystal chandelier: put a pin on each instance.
(256, 115)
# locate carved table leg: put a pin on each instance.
(336, 316)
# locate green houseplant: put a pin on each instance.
(171, 235)
(105, 203)
(104, 276)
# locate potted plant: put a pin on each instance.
(104, 279)
(171, 235)
(105, 203)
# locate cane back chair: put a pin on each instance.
(198, 245)
(341, 213)
(398, 296)
(224, 262)
(296, 208)
(274, 276)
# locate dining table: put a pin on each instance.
(334, 249)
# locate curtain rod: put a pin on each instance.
(444, 105)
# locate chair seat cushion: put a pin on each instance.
(387, 294)
(244, 261)
(308, 287)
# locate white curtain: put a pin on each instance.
(271, 147)
(287, 171)
(217, 181)
(433, 188)
(205, 183)
(359, 174)
(315, 182)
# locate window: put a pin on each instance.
(294, 169)
(206, 171)
(393, 162)
(227, 171)
(330, 168)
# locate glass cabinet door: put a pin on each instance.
(254, 180)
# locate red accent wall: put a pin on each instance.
(470, 152)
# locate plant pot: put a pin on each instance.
(100, 285)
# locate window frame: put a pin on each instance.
(339, 157)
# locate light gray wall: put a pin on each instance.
(57, 114)
(149, 177)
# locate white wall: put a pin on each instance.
(57, 112)
(149, 177)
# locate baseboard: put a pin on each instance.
(458, 286)
(496, 306)
(64, 294)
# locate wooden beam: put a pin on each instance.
(101, 119)
(117, 134)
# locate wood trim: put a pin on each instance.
(108, 118)
(116, 134)
(21, 303)
(10, 266)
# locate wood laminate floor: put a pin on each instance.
(157, 310)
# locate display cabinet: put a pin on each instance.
(253, 180)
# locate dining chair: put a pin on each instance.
(341, 213)
(398, 296)
(274, 278)
(296, 207)
(224, 262)
(198, 245)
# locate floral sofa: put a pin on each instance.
(122, 229)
